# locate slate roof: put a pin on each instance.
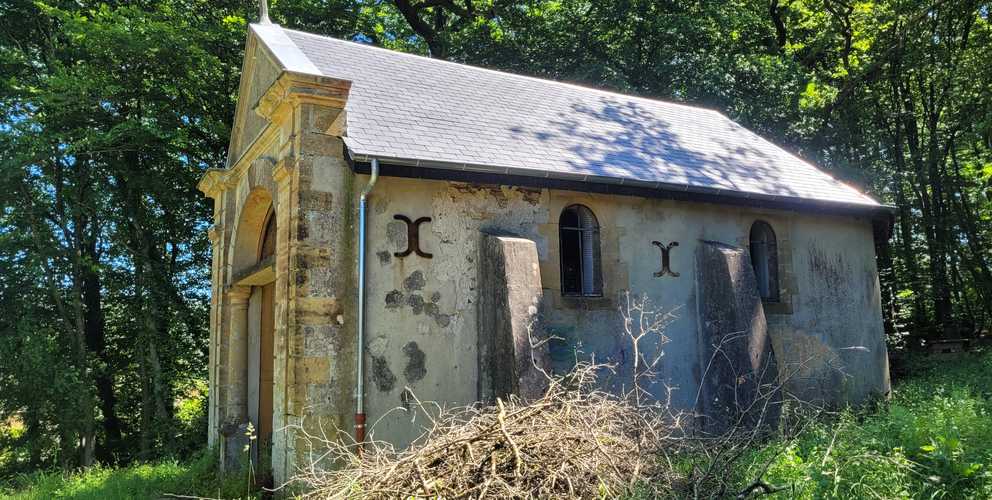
(419, 111)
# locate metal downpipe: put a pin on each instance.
(360, 350)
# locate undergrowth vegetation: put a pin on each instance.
(931, 440)
(197, 477)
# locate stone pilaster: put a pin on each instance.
(314, 339)
(320, 375)
(214, 185)
(215, 291)
(281, 420)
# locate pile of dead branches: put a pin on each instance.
(575, 442)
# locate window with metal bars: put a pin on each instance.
(764, 259)
(578, 232)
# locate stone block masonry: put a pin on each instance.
(510, 296)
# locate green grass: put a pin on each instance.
(196, 477)
(932, 440)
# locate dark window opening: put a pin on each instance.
(579, 252)
(764, 259)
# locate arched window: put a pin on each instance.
(267, 245)
(579, 252)
(764, 259)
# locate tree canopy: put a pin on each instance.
(112, 110)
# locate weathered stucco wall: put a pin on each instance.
(422, 319)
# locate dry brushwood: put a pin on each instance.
(574, 442)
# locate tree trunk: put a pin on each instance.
(97, 345)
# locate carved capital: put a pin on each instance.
(281, 172)
(214, 182)
(214, 234)
(292, 89)
(238, 295)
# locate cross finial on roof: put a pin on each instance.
(263, 12)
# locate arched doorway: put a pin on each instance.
(250, 344)
(261, 344)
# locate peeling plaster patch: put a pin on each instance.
(431, 309)
(380, 208)
(502, 194)
(394, 299)
(319, 340)
(321, 282)
(378, 345)
(415, 365)
(458, 212)
(382, 376)
(443, 320)
(416, 302)
(396, 234)
(323, 226)
(415, 281)
(384, 257)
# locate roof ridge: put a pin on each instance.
(515, 75)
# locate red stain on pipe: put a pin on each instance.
(360, 430)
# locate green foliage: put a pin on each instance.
(191, 419)
(197, 477)
(931, 441)
(110, 111)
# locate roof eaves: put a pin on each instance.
(626, 182)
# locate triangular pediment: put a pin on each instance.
(259, 71)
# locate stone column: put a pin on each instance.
(236, 414)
